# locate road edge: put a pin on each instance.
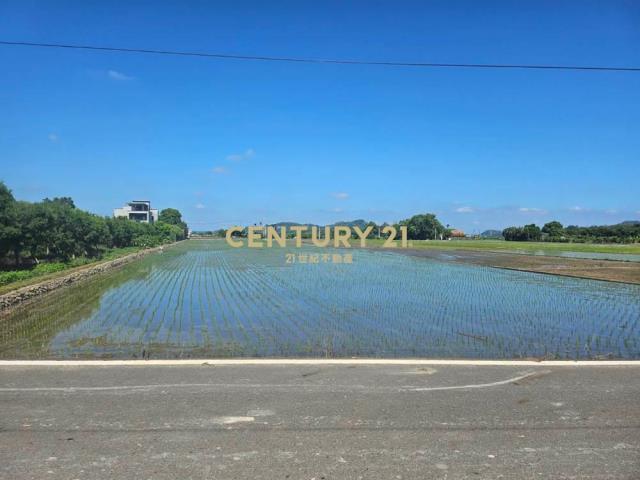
(317, 361)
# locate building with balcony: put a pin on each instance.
(137, 210)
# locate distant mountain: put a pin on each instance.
(360, 223)
(491, 234)
(351, 223)
(630, 222)
(287, 224)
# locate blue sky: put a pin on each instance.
(239, 142)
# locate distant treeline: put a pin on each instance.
(209, 233)
(419, 227)
(55, 230)
(626, 232)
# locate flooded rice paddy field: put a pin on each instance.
(204, 299)
(623, 257)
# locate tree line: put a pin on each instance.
(55, 230)
(626, 232)
(419, 227)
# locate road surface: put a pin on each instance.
(319, 421)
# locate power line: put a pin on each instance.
(322, 60)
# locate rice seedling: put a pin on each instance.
(203, 299)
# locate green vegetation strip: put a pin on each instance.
(15, 279)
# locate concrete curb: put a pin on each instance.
(316, 361)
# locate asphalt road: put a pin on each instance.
(319, 421)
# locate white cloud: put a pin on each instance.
(337, 210)
(576, 209)
(219, 170)
(199, 206)
(531, 210)
(465, 210)
(239, 157)
(119, 76)
(52, 137)
(340, 195)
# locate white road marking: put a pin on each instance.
(230, 420)
(260, 412)
(417, 371)
(408, 388)
(316, 361)
(476, 385)
(152, 386)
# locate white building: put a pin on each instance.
(138, 210)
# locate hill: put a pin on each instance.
(491, 234)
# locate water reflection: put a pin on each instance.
(203, 299)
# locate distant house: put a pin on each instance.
(137, 210)
(455, 233)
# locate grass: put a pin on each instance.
(14, 279)
(501, 245)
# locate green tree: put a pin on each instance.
(91, 234)
(512, 234)
(532, 232)
(423, 227)
(35, 227)
(55, 229)
(8, 226)
(63, 231)
(67, 201)
(529, 232)
(122, 231)
(168, 232)
(173, 216)
(374, 229)
(553, 229)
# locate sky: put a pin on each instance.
(240, 142)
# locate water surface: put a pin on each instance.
(622, 257)
(204, 299)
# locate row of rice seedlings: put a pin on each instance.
(236, 294)
(104, 324)
(245, 302)
(225, 301)
(278, 303)
(44, 319)
(214, 314)
(275, 308)
(124, 312)
(82, 334)
(522, 342)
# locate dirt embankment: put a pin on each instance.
(14, 298)
(609, 270)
